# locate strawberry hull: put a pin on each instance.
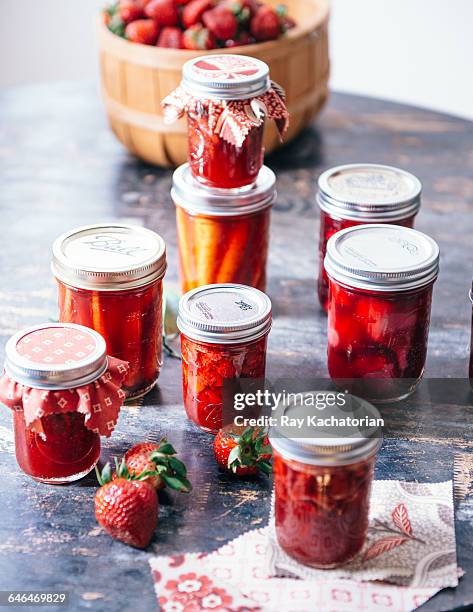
(67, 450)
(205, 367)
(219, 164)
(130, 321)
(321, 512)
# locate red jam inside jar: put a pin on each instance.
(205, 367)
(129, 321)
(377, 337)
(110, 279)
(224, 331)
(321, 511)
(219, 164)
(223, 238)
(66, 451)
(226, 118)
(359, 194)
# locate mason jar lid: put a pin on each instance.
(194, 197)
(226, 76)
(109, 257)
(55, 356)
(314, 446)
(382, 257)
(224, 313)
(362, 192)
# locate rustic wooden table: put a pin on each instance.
(61, 167)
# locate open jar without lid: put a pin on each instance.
(223, 236)
(224, 330)
(226, 99)
(64, 392)
(322, 492)
(381, 279)
(110, 279)
(357, 194)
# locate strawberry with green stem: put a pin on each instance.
(126, 506)
(245, 454)
(160, 464)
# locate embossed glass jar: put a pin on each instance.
(223, 236)
(381, 280)
(357, 194)
(64, 392)
(226, 99)
(110, 279)
(322, 496)
(224, 330)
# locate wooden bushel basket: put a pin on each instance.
(135, 78)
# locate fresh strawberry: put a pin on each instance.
(221, 22)
(198, 37)
(244, 454)
(143, 31)
(164, 12)
(243, 38)
(170, 38)
(131, 10)
(126, 507)
(192, 13)
(160, 463)
(266, 24)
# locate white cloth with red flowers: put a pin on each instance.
(411, 543)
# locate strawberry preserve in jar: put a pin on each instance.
(381, 280)
(224, 330)
(223, 235)
(322, 495)
(110, 279)
(64, 393)
(226, 99)
(356, 194)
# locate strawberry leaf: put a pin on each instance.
(177, 466)
(265, 467)
(178, 484)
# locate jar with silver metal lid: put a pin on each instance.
(381, 280)
(223, 236)
(110, 279)
(226, 99)
(224, 330)
(356, 194)
(64, 393)
(322, 489)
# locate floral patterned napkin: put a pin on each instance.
(411, 542)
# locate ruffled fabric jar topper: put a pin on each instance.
(226, 99)
(64, 393)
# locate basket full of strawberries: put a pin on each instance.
(197, 24)
(144, 44)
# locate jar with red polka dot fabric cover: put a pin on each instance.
(64, 393)
(226, 99)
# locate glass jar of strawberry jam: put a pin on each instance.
(356, 194)
(64, 393)
(110, 279)
(322, 495)
(224, 330)
(226, 99)
(223, 236)
(381, 280)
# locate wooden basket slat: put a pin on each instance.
(135, 78)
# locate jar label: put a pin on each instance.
(365, 184)
(224, 307)
(223, 68)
